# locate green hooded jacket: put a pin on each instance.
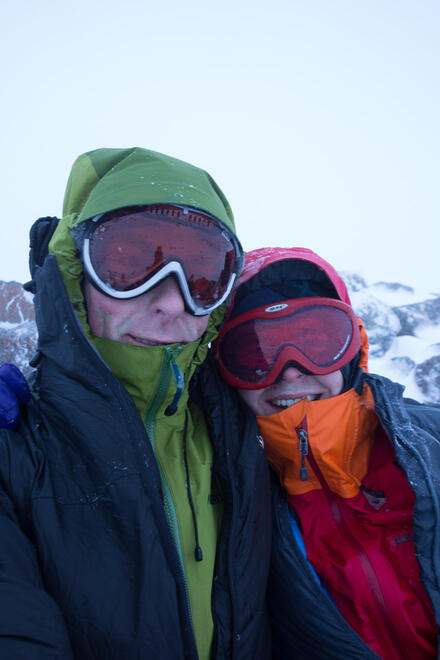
(107, 179)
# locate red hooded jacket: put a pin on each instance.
(355, 508)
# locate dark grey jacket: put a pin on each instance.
(88, 566)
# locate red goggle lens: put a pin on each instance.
(127, 248)
(321, 338)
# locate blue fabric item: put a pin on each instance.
(14, 392)
(299, 539)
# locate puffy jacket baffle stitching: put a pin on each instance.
(88, 548)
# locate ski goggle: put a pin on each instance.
(317, 335)
(129, 251)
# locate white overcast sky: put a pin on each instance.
(318, 118)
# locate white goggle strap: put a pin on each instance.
(172, 268)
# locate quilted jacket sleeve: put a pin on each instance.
(31, 624)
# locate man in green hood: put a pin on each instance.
(135, 521)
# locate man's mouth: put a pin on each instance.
(286, 403)
(142, 341)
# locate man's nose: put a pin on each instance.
(166, 298)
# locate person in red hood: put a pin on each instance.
(355, 561)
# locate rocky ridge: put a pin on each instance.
(403, 327)
(18, 332)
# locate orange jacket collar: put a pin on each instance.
(340, 435)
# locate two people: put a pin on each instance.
(355, 569)
(135, 513)
(140, 509)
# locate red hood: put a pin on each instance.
(256, 260)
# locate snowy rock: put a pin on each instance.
(419, 314)
(353, 281)
(403, 326)
(404, 364)
(19, 346)
(16, 304)
(18, 332)
(392, 287)
(381, 322)
(427, 377)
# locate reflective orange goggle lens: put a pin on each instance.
(128, 251)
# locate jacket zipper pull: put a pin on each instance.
(180, 382)
(303, 450)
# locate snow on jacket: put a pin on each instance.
(366, 517)
(89, 565)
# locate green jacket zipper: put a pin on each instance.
(169, 368)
